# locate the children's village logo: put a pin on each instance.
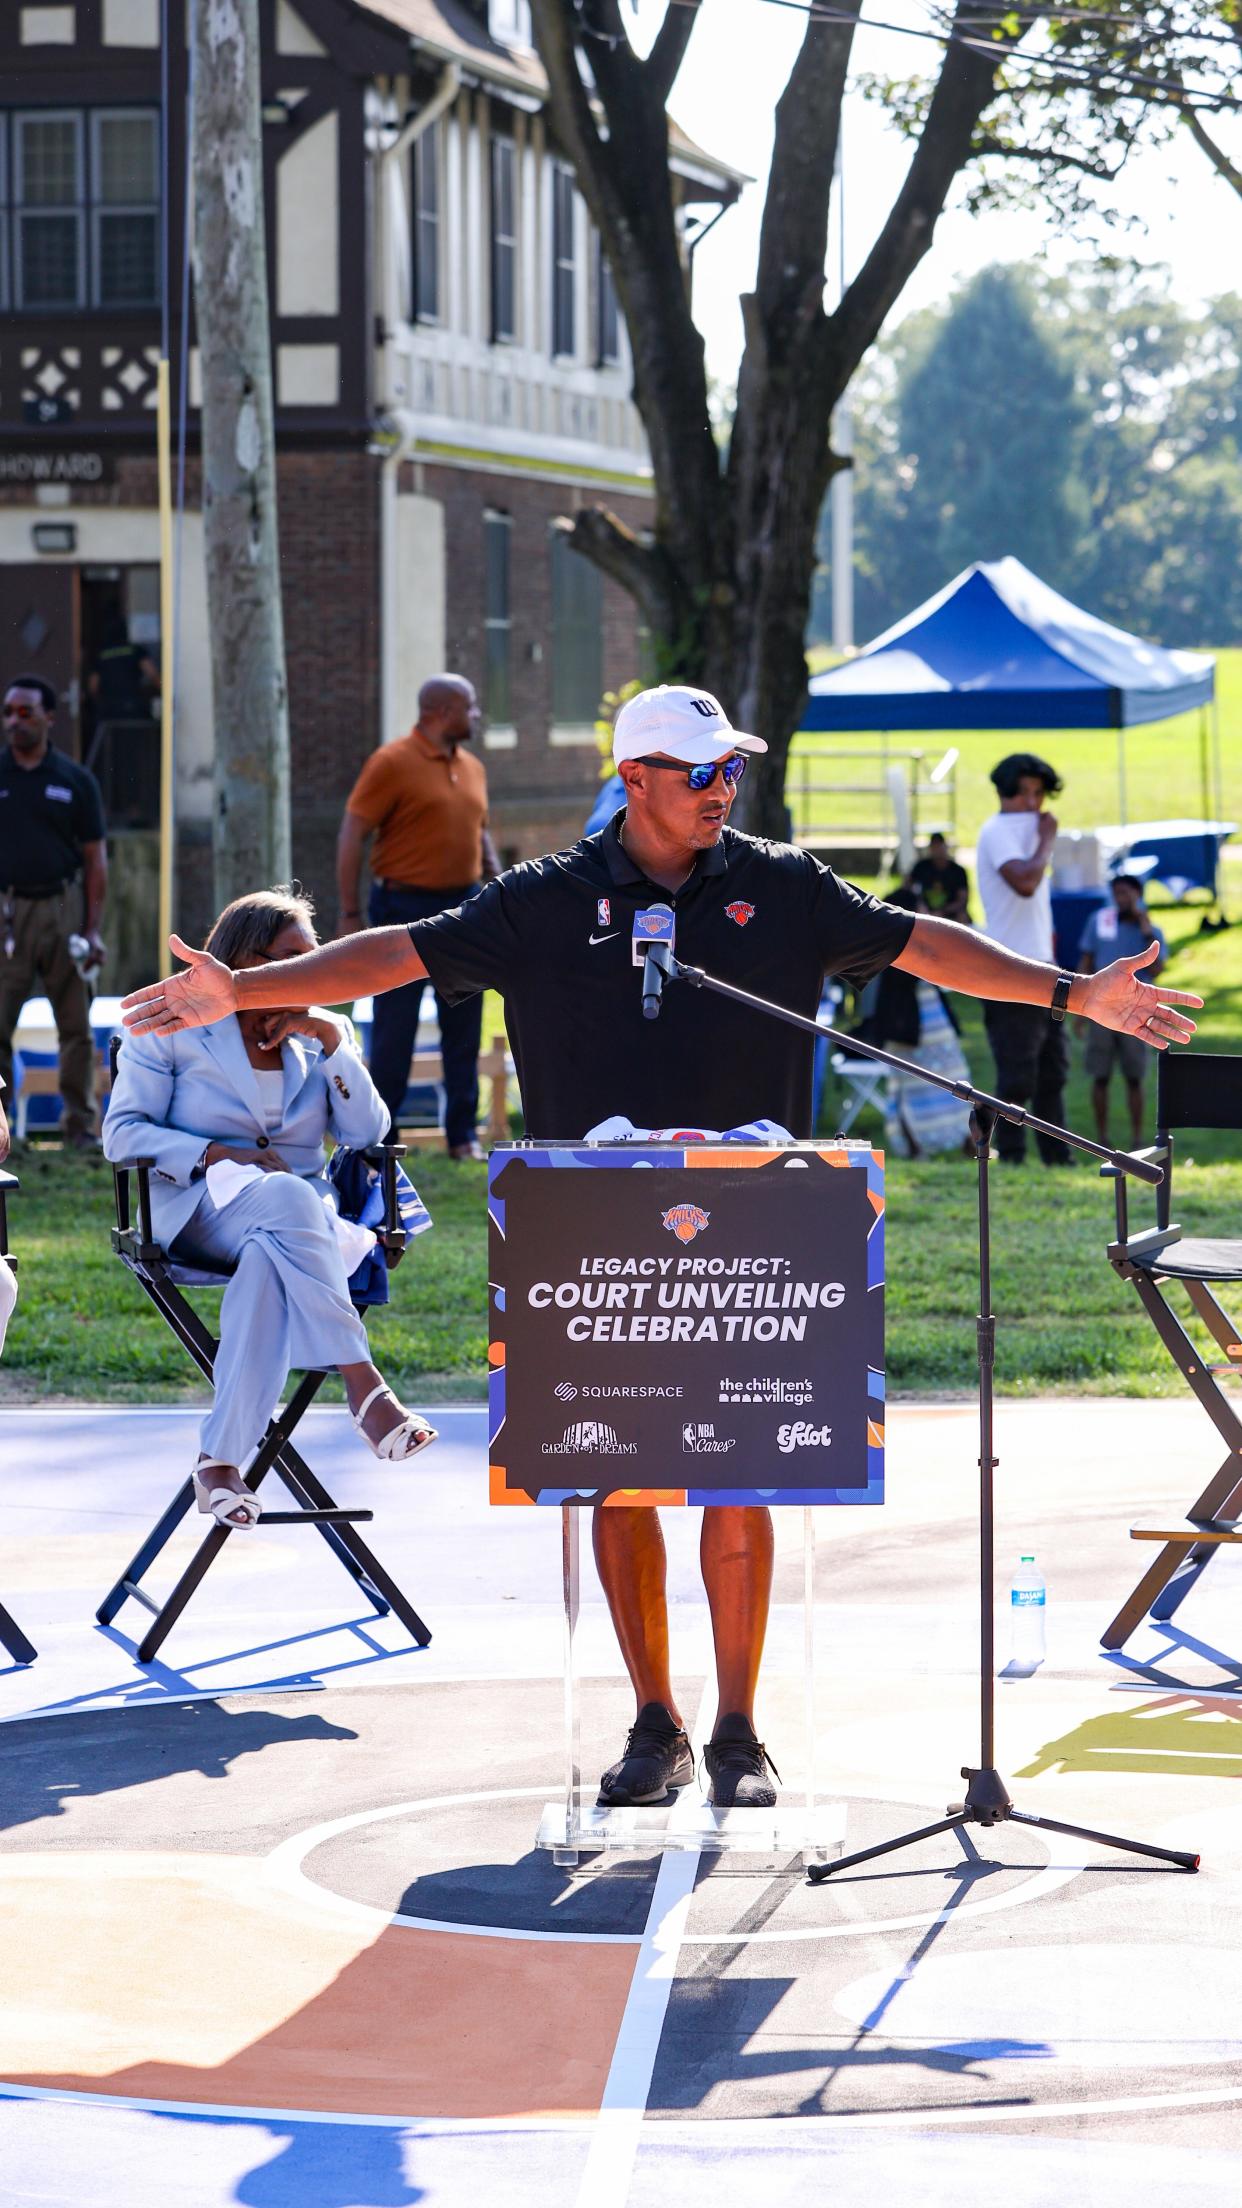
(740, 912)
(685, 1221)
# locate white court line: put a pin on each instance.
(702, 2132)
(609, 2167)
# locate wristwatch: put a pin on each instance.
(1060, 995)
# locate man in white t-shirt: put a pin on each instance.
(1013, 860)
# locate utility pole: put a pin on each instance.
(250, 706)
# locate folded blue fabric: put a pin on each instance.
(360, 1191)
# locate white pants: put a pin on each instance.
(287, 1305)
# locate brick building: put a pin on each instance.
(452, 379)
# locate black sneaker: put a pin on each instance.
(657, 1757)
(738, 1765)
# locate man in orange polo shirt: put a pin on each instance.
(424, 799)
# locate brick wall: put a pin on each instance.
(540, 793)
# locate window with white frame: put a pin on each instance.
(497, 617)
(607, 313)
(577, 641)
(504, 240)
(509, 22)
(426, 181)
(82, 225)
(564, 263)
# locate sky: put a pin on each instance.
(726, 95)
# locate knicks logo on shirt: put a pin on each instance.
(685, 1221)
(740, 912)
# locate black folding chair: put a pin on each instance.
(1198, 1091)
(162, 1280)
(12, 1638)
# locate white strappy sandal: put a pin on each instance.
(400, 1442)
(221, 1503)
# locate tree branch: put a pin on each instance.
(966, 85)
(1216, 154)
(669, 49)
(1047, 157)
(619, 552)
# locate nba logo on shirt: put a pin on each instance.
(603, 913)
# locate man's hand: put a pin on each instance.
(1119, 999)
(4, 1136)
(1049, 826)
(204, 992)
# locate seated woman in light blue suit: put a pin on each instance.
(259, 1089)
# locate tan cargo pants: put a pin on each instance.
(41, 928)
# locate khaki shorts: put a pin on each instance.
(1104, 1049)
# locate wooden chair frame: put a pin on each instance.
(1193, 1264)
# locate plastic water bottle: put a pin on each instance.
(1028, 1598)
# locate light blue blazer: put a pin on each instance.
(176, 1093)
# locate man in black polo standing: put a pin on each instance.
(53, 878)
(554, 936)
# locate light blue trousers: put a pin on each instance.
(286, 1306)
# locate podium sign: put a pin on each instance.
(687, 1323)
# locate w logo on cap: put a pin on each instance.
(707, 707)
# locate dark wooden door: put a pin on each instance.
(39, 636)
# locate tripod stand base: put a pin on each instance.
(987, 1803)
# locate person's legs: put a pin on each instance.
(1013, 1034)
(630, 1559)
(394, 1016)
(1099, 1105)
(70, 998)
(461, 1032)
(1134, 1100)
(1051, 1075)
(735, 1551)
(17, 983)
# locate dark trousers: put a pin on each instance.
(395, 1021)
(1032, 1067)
(41, 930)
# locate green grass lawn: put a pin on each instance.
(83, 1329)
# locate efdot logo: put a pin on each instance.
(800, 1435)
(565, 1391)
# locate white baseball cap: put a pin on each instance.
(681, 722)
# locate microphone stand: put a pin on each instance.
(987, 1799)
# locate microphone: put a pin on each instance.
(652, 948)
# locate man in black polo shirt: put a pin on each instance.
(53, 876)
(554, 935)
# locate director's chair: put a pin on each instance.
(162, 1280)
(12, 1638)
(1192, 1091)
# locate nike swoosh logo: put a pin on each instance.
(612, 934)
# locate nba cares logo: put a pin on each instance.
(740, 912)
(685, 1221)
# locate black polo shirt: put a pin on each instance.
(554, 937)
(47, 813)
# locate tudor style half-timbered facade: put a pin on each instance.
(451, 379)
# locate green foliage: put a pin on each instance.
(1087, 423)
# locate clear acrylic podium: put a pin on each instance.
(710, 1312)
(576, 1824)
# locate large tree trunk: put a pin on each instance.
(249, 691)
(725, 581)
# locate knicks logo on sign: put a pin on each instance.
(685, 1221)
(651, 923)
(740, 913)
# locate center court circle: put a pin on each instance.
(285, 1868)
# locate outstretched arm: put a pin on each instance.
(955, 958)
(357, 966)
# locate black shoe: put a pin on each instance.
(657, 1757)
(738, 1765)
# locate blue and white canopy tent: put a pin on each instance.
(996, 648)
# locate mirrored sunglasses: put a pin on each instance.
(702, 778)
